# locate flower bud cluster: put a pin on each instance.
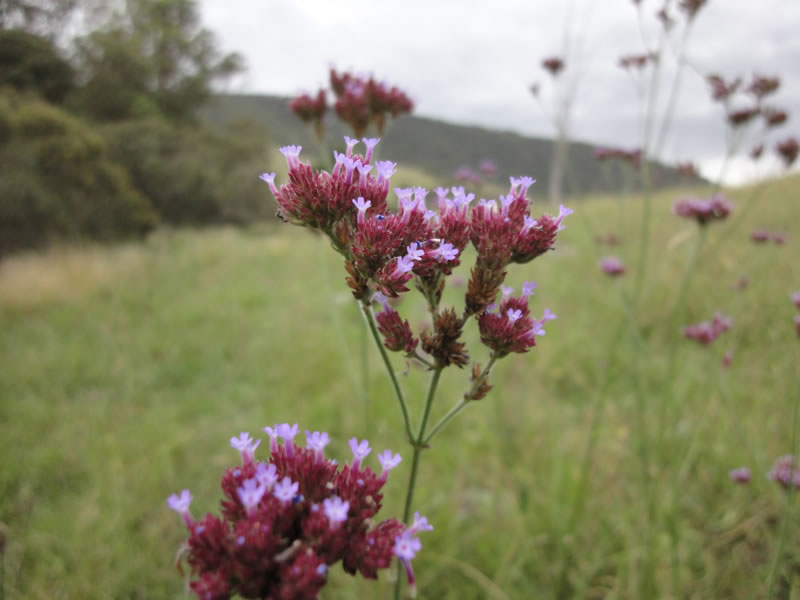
(632, 156)
(553, 65)
(509, 326)
(362, 101)
(703, 211)
(385, 250)
(788, 150)
(613, 266)
(706, 332)
(310, 110)
(785, 471)
(285, 521)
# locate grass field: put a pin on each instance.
(588, 472)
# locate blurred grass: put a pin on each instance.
(126, 369)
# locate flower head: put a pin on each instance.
(528, 287)
(336, 510)
(613, 266)
(740, 475)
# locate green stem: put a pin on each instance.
(419, 446)
(790, 494)
(366, 310)
(450, 415)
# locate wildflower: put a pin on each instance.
(757, 151)
(286, 490)
(388, 461)
(250, 494)
(245, 444)
(779, 238)
(180, 504)
(370, 143)
(335, 510)
(785, 472)
(759, 236)
(292, 154)
(360, 451)
(317, 441)
(727, 359)
(774, 116)
(797, 324)
(611, 265)
(311, 110)
(740, 475)
(706, 332)
(762, 86)
(528, 287)
(406, 548)
(396, 333)
(703, 211)
(796, 299)
(788, 149)
(721, 90)
(737, 118)
(553, 65)
(266, 475)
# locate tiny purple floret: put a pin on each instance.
(336, 510)
(250, 494)
(528, 287)
(286, 490)
(514, 315)
(388, 461)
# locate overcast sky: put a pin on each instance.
(473, 62)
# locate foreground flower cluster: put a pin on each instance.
(286, 521)
(385, 250)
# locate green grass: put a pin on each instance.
(125, 370)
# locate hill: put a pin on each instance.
(440, 148)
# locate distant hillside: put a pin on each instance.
(440, 148)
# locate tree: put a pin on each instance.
(156, 49)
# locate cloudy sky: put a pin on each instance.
(473, 62)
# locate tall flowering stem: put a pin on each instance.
(366, 310)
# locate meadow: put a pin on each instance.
(596, 468)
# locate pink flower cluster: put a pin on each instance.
(613, 266)
(785, 471)
(310, 110)
(632, 156)
(284, 522)
(509, 326)
(385, 250)
(706, 332)
(703, 211)
(760, 236)
(363, 101)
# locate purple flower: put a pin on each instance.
(245, 444)
(360, 451)
(250, 495)
(287, 432)
(270, 179)
(286, 490)
(385, 169)
(514, 314)
(563, 212)
(180, 504)
(404, 265)
(381, 299)
(388, 461)
(420, 524)
(317, 441)
(292, 154)
(740, 475)
(528, 287)
(528, 182)
(351, 143)
(446, 252)
(414, 253)
(548, 316)
(506, 290)
(796, 299)
(266, 475)
(362, 206)
(336, 510)
(370, 143)
(528, 222)
(406, 547)
(612, 266)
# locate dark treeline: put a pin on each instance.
(98, 134)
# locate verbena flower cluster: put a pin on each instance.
(706, 332)
(311, 110)
(632, 156)
(384, 250)
(613, 266)
(704, 211)
(785, 472)
(285, 521)
(364, 101)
